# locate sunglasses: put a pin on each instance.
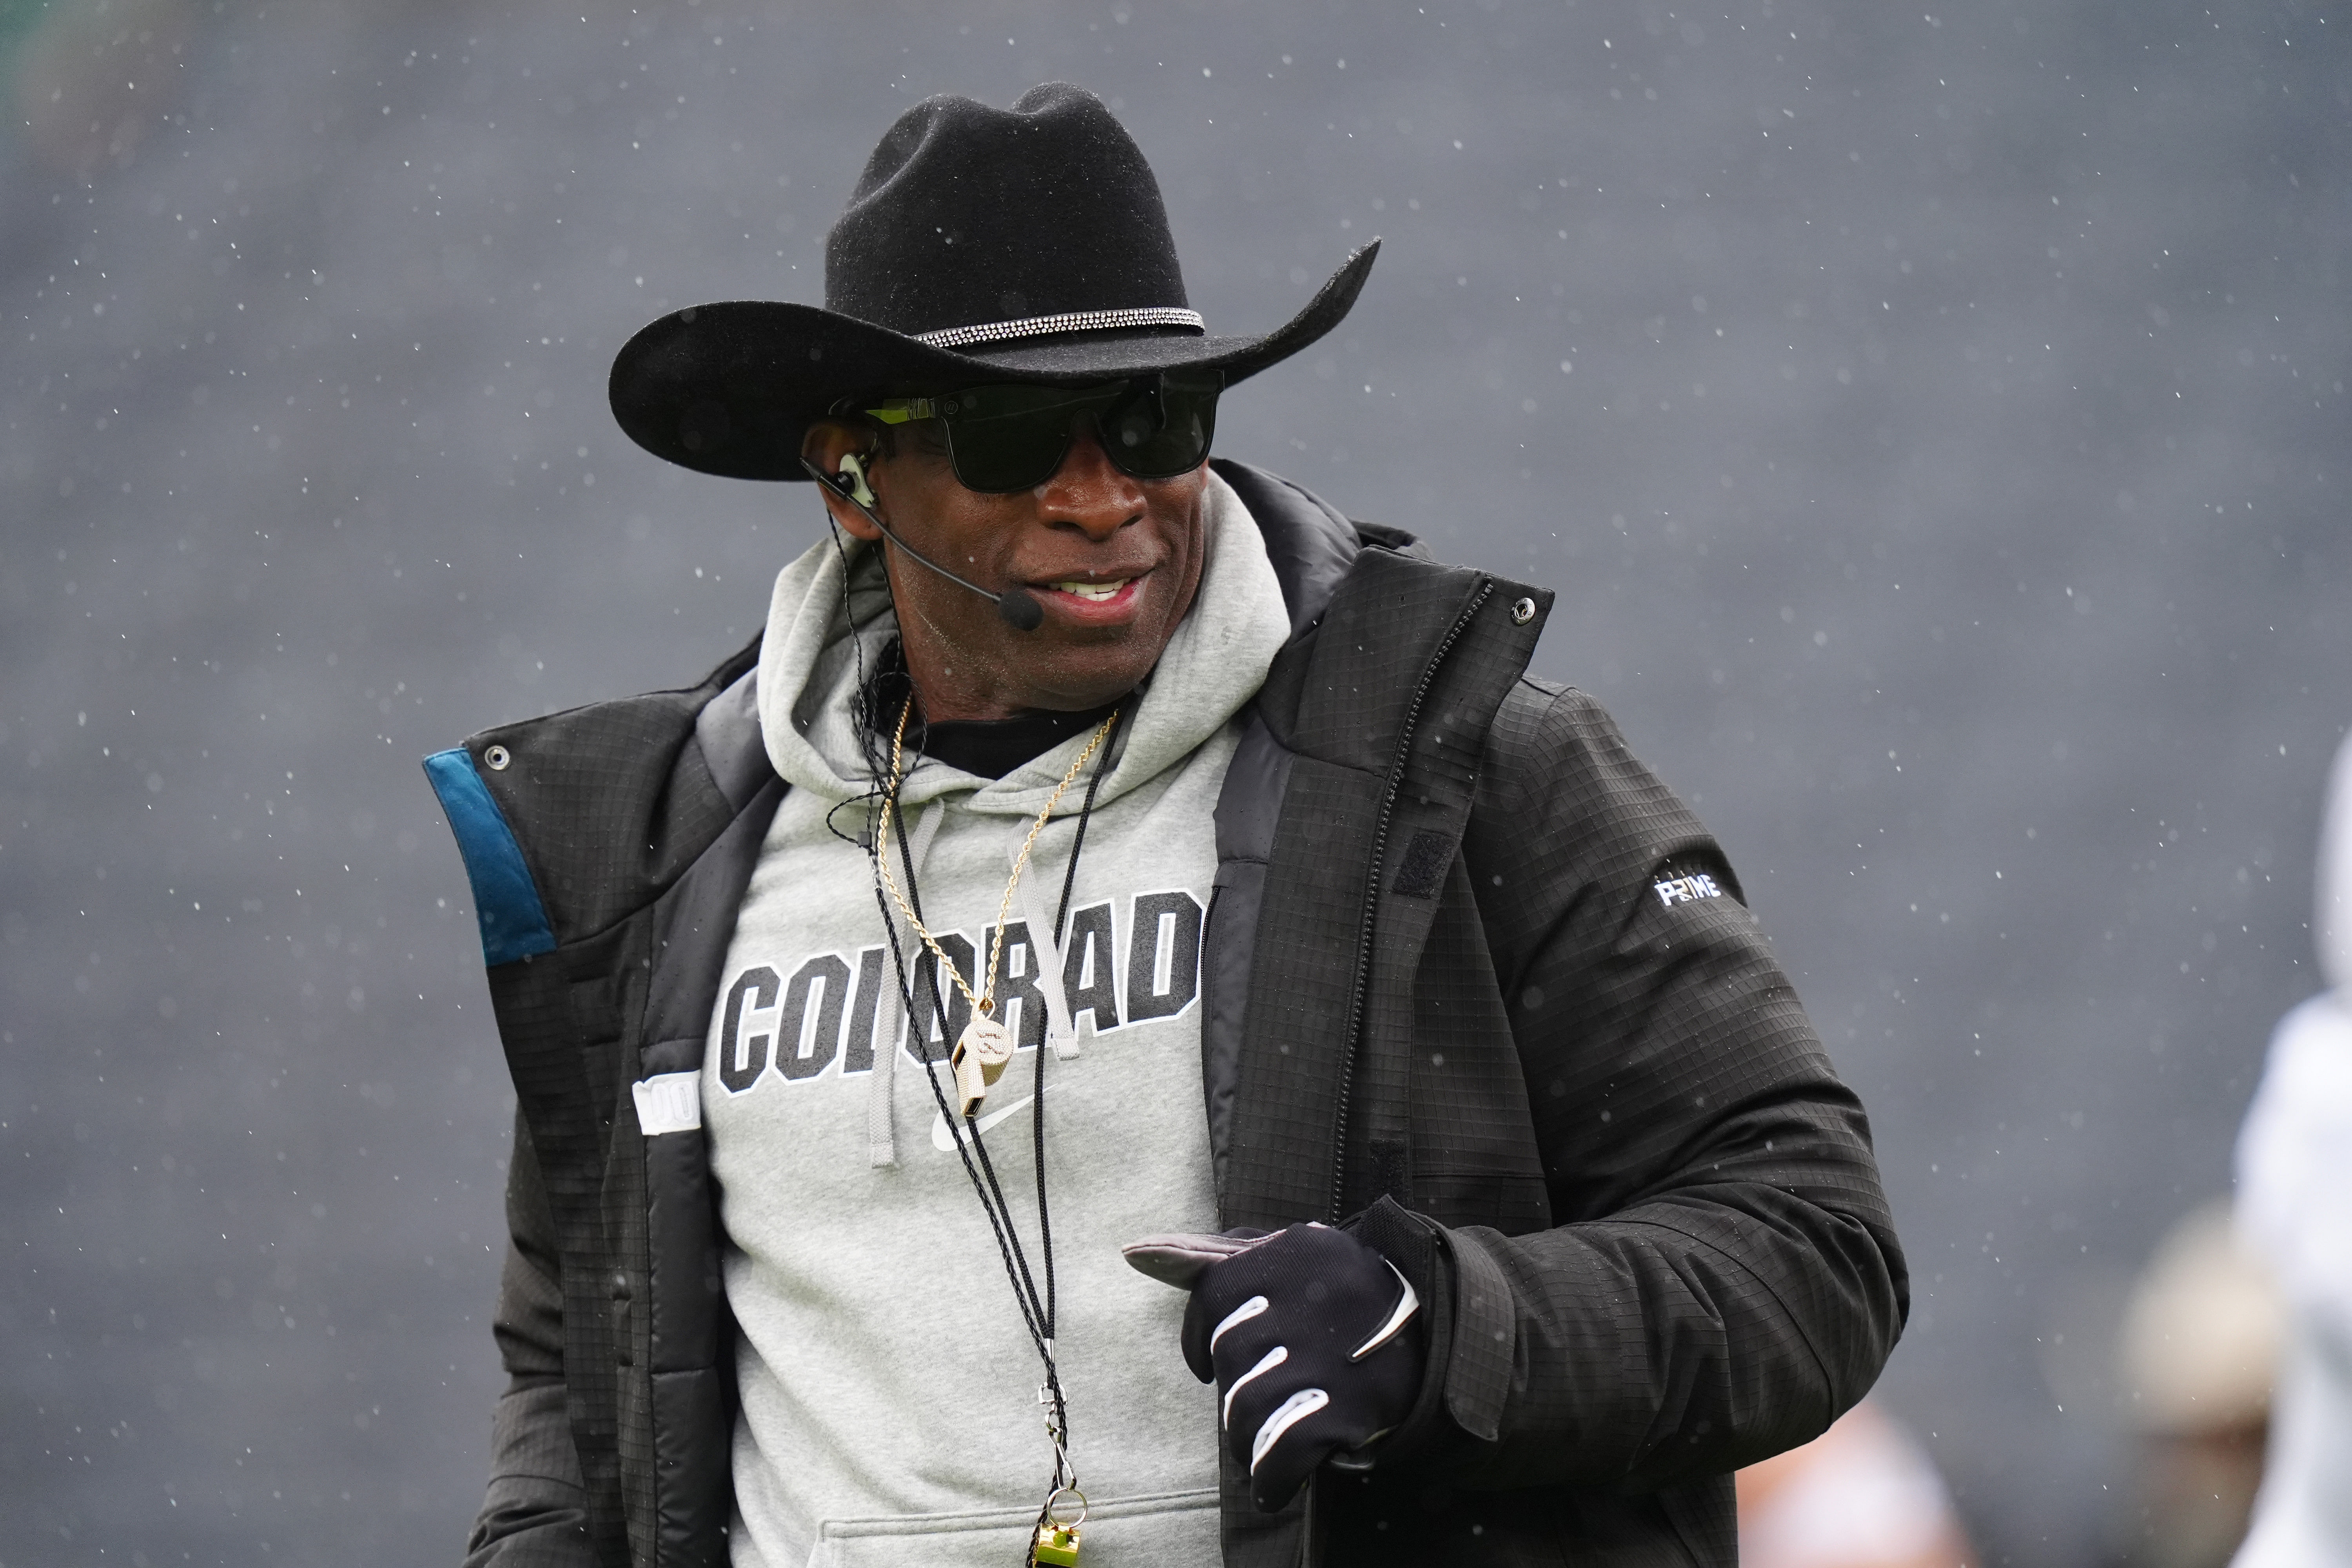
(1014, 436)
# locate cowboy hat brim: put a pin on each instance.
(731, 389)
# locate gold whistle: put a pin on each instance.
(978, 1060)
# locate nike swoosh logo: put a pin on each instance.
(944, 1141)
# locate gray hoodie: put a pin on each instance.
(890, 1390)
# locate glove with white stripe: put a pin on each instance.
(1314, 1342)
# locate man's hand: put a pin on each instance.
(1312, 1339)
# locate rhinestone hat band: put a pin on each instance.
(1068, 322)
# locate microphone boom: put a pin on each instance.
(1018, 607)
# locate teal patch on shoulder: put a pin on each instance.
(506, 900)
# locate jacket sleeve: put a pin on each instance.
(1722, 1280)
(535, 1512)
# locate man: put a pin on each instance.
(1108, 855)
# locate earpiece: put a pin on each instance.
(853, 479)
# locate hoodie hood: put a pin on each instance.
(810, 663)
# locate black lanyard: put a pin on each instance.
(1037, 1312)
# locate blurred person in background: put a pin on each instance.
(2294, 1205)
(2237, 1343)
(1526, 1206)
(1863, 1494)
(2200, 1335)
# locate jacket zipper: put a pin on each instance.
(1357, 1001)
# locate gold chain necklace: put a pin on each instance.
(984, 1048)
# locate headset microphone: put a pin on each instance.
(1018, 607)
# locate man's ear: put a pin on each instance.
(827, 444)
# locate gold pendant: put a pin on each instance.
(978, 1060)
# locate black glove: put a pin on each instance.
(1315, 1342)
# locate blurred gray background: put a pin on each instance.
(1934, 425)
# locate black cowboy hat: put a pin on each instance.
(981, 245)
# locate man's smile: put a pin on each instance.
(1096, 592)
(1095, 600)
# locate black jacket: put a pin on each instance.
(1463, 953)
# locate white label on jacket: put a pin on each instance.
(669, 1102)
(1683, 889)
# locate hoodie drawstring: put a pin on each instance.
(881, 1135)
(1045, 959)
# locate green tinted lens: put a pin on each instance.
(1013, 437)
